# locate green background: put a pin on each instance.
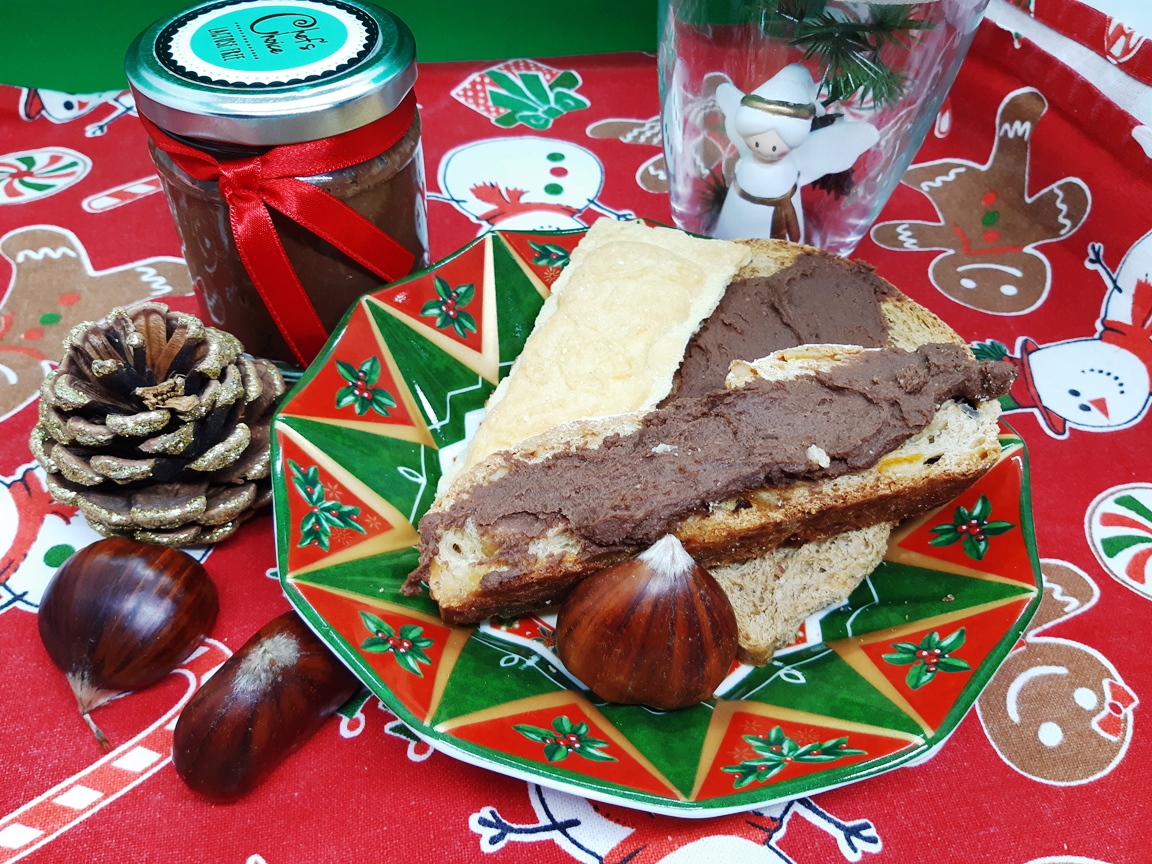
(78, 45)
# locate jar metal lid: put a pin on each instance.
(266, 72)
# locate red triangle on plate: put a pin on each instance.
(309, 485)
(935, 697)
(411, 680)
(359, 350)
(538, 732)
(1006, 553)
(420, 298)
(756, 743)
(544, 254)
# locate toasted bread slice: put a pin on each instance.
(526, 562)
(801, 546)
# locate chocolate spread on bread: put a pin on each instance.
(629, 490)
(818, 299)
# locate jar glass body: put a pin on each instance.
(388, 190)
(709, 45)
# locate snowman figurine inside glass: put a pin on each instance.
(795, 119)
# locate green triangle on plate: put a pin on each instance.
(510, 672)
(401, 472)
(446, 388)
(896, 594)
(819, 682)
(518, 301)
(378, 577)
(670, 741)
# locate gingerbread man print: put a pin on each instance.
(53, 287)
(1057, 710)
(990, 227)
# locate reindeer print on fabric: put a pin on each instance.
(53, 287)
(990, 226)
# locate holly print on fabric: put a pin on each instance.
(325, 514)
(989, 225)
(448, 310)
(564, 739)
(1097, 383)
(33, 174)
(406, 644)
(932, 655)
(522, 92)
(972, 528)
(359, 393)
(777, 751)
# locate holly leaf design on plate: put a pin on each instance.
(776, 751)
(931, 656)
(447, 307)
(971, 528)
(406, 645)
(566, 738)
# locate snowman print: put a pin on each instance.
(1057, 710)
(598, 833)
(1098, 383)
(525, 183)
(37, 534)
(58, 107)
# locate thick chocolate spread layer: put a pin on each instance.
(819, 299)
(697, 450)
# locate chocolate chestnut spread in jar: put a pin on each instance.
(286, 136)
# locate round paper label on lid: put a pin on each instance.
(256, 44)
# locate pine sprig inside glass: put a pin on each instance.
(850, 51)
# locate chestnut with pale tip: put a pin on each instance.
(655, 630)
(267, 699)
(119, 615)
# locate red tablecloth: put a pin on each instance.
(1044, 137)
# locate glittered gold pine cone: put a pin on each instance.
(157, 427)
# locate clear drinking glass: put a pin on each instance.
(797, 118)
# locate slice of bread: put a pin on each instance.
(526, 564)
(773, 594)
(782, 553)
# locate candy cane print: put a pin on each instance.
(125, 193)
(67, 804)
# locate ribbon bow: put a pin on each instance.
(1118, 703)
(251, 185)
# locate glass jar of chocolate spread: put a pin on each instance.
(286, 136)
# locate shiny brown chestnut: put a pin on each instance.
(259, 707)
(656, 630)
(120, 615)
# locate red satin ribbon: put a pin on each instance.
(251, 185)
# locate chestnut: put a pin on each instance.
(259, 707)
(120, 615)
(655, 630)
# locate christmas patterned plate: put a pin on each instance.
(866, 687)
